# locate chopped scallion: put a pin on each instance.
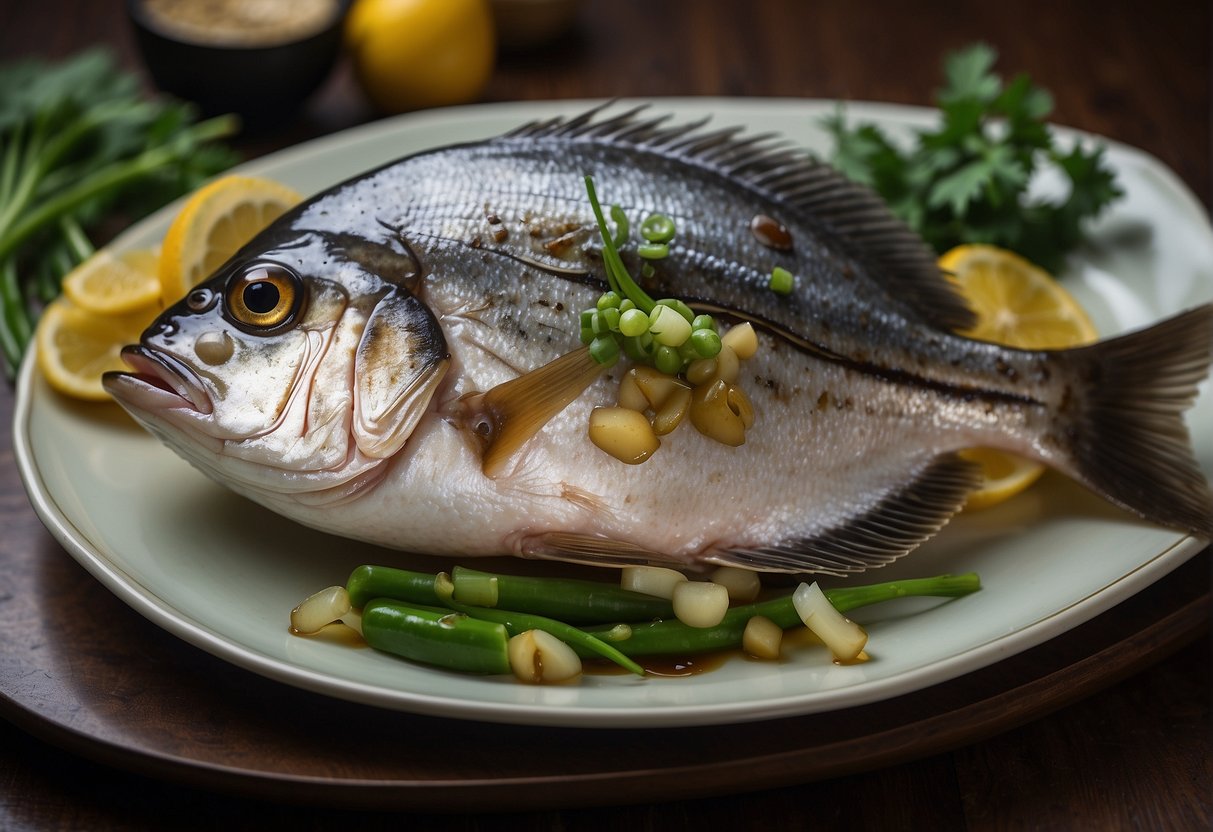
(781, 281)
(657, 228)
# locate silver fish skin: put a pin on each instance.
(329, 369)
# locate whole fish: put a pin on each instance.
(397, 360)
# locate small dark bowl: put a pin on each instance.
(262, 84)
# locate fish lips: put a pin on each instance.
(158, 382)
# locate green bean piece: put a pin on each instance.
(568, 599)
(479, 589)
(443, 638)
(583, 643)
(369, 582)
(673, 638)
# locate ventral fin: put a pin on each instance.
(506, 416)
(589, 550)
(876, 537)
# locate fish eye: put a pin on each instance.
(264, 297)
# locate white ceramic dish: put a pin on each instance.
(223, 574)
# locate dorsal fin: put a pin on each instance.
(853, 214)
(890, 529)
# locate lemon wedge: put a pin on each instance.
(74, 346)
(1019, 305)
(213, 224)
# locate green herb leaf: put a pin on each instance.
(77, 144)
(966, 180)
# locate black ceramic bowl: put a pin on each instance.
(262, 84)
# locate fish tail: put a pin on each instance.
(1125, 424)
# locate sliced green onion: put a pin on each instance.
(657, 228)
(704, 322)
(617, 274)
(611, 316)
(622, 227)
(609, 300)
(633, 322)
(668, 326)
(680, 307)
(653, 251)
(706, 343)
(667, 360)
(605, 350)
(781, 281)
(636, 347)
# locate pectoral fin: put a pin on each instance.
(506, 416)
(400, 362)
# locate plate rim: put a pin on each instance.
(155, 609)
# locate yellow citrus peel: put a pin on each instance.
(1019, 305)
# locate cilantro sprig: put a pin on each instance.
(966, 181)
(80, 146)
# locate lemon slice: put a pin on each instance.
(1019, 305)
(213, 224)
(74, 346)
(110, 285)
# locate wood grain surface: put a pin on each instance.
(114, 724)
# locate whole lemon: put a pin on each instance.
(410, 54)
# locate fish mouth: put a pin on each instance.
(157, 382)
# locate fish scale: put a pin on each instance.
(464, 270)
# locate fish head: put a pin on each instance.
(296, 370)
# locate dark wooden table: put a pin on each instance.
(1106, 729)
